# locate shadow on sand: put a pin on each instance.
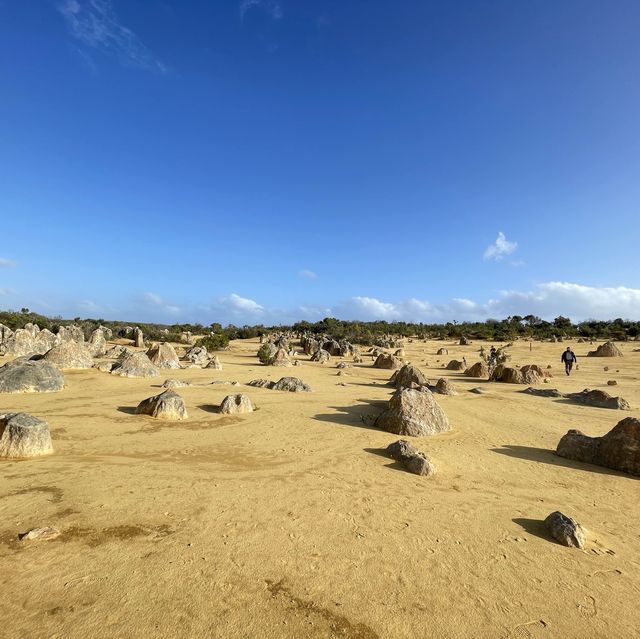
(547, 456)
(382, 452)
(353, 415)
(129, 410)
(535, 527)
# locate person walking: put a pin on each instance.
(569, 359)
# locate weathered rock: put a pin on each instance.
(464, 341)
(608, 349)
(27, 342)
(599, 399)
(291, 384)
(69, 354)
(261, 383)
(197, 355)
(46, 533)
(478, 391)
(565, 530)
(544, 392)
(409, 376)
(538, 370)
(281, 358)
(455, 365)
(619, 449)
(235, 404)
(445, 387)
(479, 369)
(118, 352)
(214, 363)
(508, 375)
(23, 435)
(442, 351)
(105, 367)
(413, 460)
(163, 355)
(138, 338)
(5, 333)
(387, 361)
(168, 405)
(321, 356)
(413, 412)
(612, 382)
(29, 376)
(399, 353)
(97, 343)
(175, 383)
(71, 333)
(135, 365)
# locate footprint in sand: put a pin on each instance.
(588, 607)
(529, 630)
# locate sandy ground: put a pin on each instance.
(289, 522)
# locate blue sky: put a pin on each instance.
(269, 160)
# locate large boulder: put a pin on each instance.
(168, 405)
(281, 358)
(23, 435)
(413, 412)
(135, 365)
(409, 376)
(509, 375)
(29, 342)
(236, 404)
(69, 354)
(479, 369)
(442, 351)
(387, 361)
(619, 449)
(97, 343)
(71, 333)
(444, 387)
(464, 341)
(608, 349)
(5, 333)
(599, 399)
(138, 338)
(291, 384)
(163, 355)
(455, 365)
(214, 363)
(28, 376)
(321, 356)
(119, 352)
(197, 355)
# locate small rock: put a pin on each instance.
(612, 382)
(565, 530)
(40, 534)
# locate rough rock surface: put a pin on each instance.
(321, 356)
(479, 369)
(544, 392)
(291, 384)
(71, 333)
(599, 399)
(138, 338)
(413, 412)
(168, 405)
(565, 530)
(175, 383)
(69, 354)
(413, 460)
(136, 365)
(163, 355)
(97, 345)
(445, 387)
(464, 341)
(455, 365)
(261, 383)
(387, 361)
(281, 358)
(27, 376)
(40, 534)
(608, 349)
(118, 352)
(409, 376)
(27, 342)
(197, 355)
(619, 449)
(442, 351)
(23, 435)
(235, 404)
(214, 363)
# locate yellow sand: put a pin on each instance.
(288, 522)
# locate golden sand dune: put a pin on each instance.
(289, 522)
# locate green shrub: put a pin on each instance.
(215, 342)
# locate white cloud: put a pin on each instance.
(238, 304)
(153, 299)
(308, 275)
(273, 8)
(95, 24)
(6, 263)
(499, 248)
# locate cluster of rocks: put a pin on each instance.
(291, 384)
(529, 374)
(596, 397)
(311, 344)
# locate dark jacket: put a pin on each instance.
(569, 356)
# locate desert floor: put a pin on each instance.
(290, 522)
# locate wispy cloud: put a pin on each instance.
(273, 8)
(153, 299)
(95, 24)
(307, 274)
(6, 263)
(500, 248)
(237, 304)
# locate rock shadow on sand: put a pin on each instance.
(360, 416)
(382, 452)
(129, 410)
(548, 456)
(534, 527)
